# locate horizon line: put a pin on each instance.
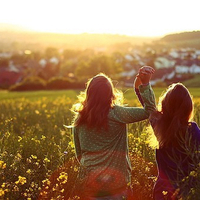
(22, 28)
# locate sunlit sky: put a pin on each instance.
(127, 17)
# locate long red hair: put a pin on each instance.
(175, 112)
(96, 101)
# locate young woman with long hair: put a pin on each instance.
(100, 136)
(179, 142)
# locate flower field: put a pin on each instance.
(37, 153)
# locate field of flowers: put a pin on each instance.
(37, 153)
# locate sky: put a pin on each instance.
(149, 18)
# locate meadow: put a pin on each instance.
(37, 159)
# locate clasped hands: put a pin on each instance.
(144, 76)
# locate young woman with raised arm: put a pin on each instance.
(100, 136)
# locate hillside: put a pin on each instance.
(16, 38)
(184, 39)
(182, 36)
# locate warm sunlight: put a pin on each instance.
(140, 18)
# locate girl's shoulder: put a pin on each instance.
(194, 126)
(194, 130)
(116, 110)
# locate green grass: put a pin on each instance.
(35, 95)
(52, 94)
(194, 82)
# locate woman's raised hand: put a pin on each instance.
(146, 70)
(144, 76)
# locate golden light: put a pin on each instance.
(128, 17)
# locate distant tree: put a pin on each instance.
(97, 64)
(57, 83)
(67, 66)
(70, 54)
(81, 71)
(29, 83)
(86, 55)
(51, 52)
(50, 70)
(22, 58)
(37, 55)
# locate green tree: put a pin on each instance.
(97, 64)
(81, 71)
(51, 52)
(67, 66)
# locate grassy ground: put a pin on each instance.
(52, 94)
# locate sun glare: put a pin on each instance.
(141, 18)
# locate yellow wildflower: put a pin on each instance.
(28, 171)
(19, 138)
(32, 184)
(18, 157)
(62, 190)
(37, 112)
(3, 185)
(46, 160)
(43, 137)
(1, 193)
(46, 182)
(147, 169)
(34, 157)
(21, 180)
(62, 132)
(193, 173)
(63, 177)
(71, 144)
(16, 188)
(2, 164)
(164, 193)
(75, 169)
(192, 190)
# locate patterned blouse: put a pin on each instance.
(103, 155)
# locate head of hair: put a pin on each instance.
(175, 111)
(96, 101)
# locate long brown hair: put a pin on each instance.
(96, 101)
(175, 111)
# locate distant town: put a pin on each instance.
(173, 65)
